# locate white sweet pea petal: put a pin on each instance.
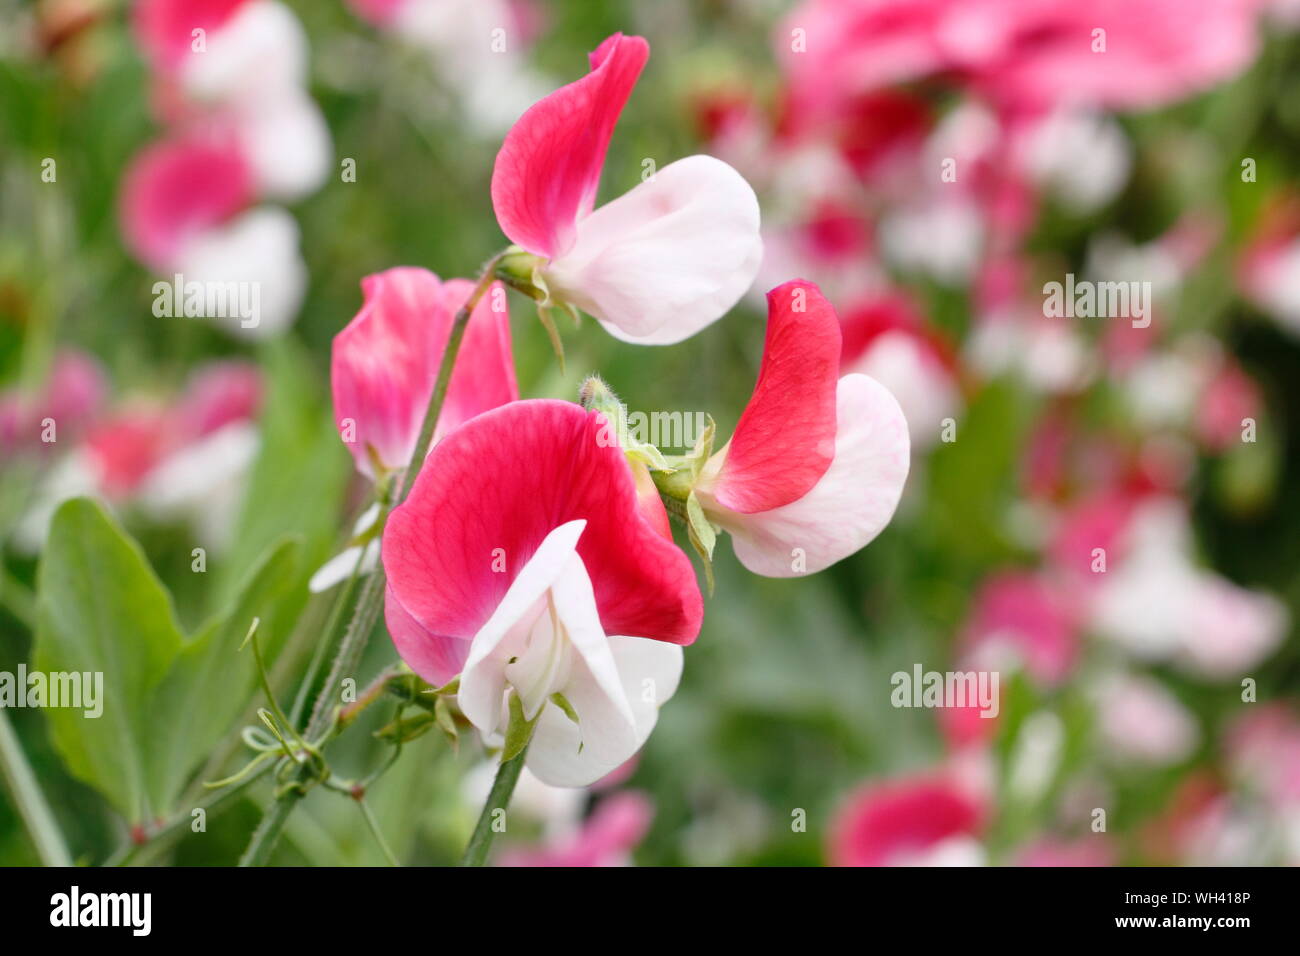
(262, 47)
(340, 567)
(565, 754)
(287, 143)
(483, 679)
(545, 638)
(259, 252)
(204, 482)
(667, 258)
(849, 505)
(568, 754)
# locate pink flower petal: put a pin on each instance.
(548, 169)
(165, 28)
(385, 363)
(785, 439)
(490, 493)
(484, 376)
(888, 823)
(177, 188)
(219, 393)
(434, 657)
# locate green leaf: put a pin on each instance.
(211, 680)
(100, 608)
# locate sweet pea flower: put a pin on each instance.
(385, 363)
(245, 75)
(184, 210)
(524, 561)
(923, 820)
(655, 265)
(817, 463)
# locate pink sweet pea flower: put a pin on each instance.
(817, 463)
(385, 363)
(925, 820)
(607, 837)
(655, 265)
(521, 549)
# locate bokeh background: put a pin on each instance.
(1121, 691)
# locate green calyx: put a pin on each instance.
(522, 271)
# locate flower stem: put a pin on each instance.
(480, 842)
(29, 800)
(371, 602)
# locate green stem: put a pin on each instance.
(480, 842)
(373, 824)
(36, 814)
(371, 602)
(162, 838)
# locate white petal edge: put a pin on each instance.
(667, 258)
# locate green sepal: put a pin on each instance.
(519, 731)
(447, 723)
(405, 729)
(703, 534)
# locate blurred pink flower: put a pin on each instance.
(1094, 850)
(655, 265)
(1230, 397)
(921, 820)
(1263, 747)
(73, 396)
(1141, 722)
(385, 363)
(817, 463)
(177, 189)
(607, 837)
(1268, 271)
(1022, 53)
(165, 28)
(1026, 616)
(886, 338)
